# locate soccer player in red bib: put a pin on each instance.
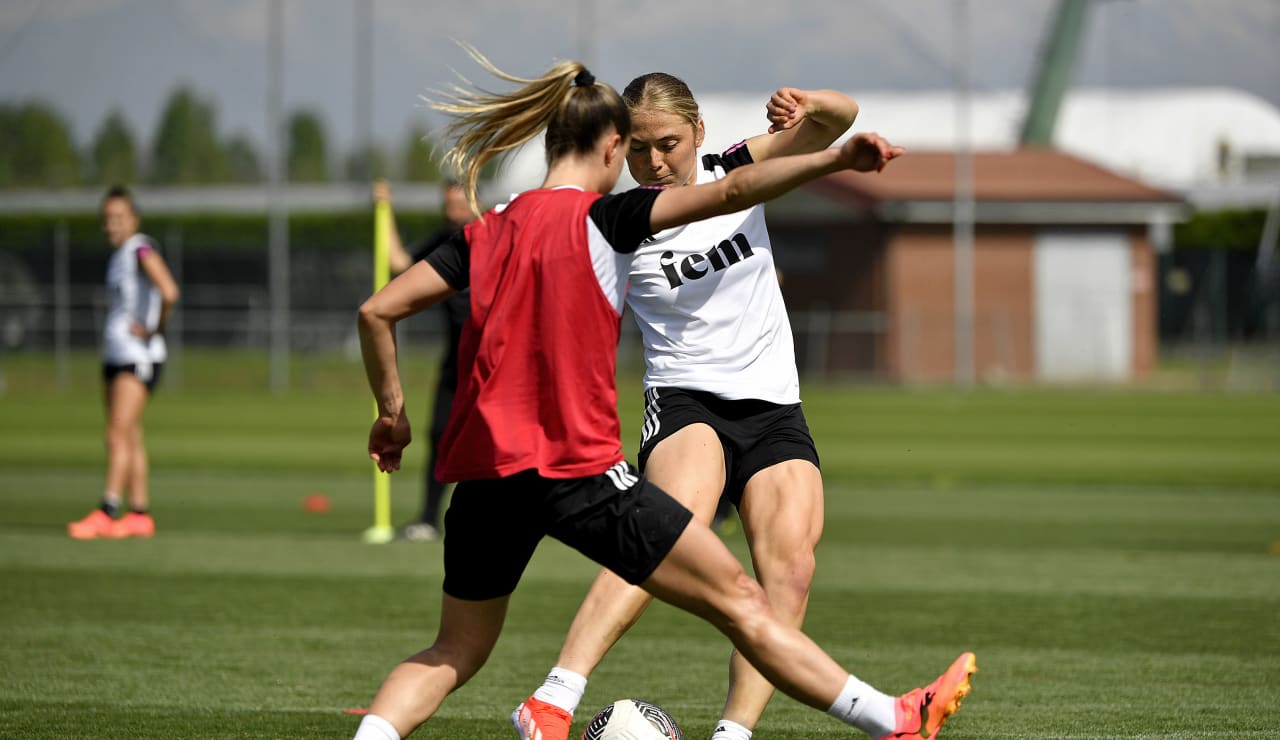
(533, 438)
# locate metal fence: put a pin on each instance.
(62, 319)
(1217, 334)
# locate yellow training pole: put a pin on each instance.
(381, 532)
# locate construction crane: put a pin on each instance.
(1057, 58)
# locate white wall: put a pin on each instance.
(1167, 137)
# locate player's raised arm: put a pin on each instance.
(398, 259)
(803, 121)
(762, 181)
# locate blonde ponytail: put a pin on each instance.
(566, 101)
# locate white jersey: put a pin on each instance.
(710, 310)
(131, 298)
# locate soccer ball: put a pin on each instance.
(632, 719)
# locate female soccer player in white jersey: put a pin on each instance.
(722, 409)
(533, 438)
(141, 294)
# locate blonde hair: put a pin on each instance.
(659, 91)
(566, 101)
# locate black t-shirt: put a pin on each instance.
(455, 309)
(458, 306)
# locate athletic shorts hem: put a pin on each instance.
(617, 518)
(148, 374)
(754, 434)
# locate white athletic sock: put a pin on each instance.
(726, 730)
(563, 688)
(862, 706)
(373, 727)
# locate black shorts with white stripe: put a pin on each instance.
(753, 434)
(617, 518)
(149, 373)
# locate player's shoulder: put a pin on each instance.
(716, 166)
(142, 242)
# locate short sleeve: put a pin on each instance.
(735, 156)
(421, 248)
(452, 259)
(623, 217)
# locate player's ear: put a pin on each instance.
(699, 133)
(612, 148)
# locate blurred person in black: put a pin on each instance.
(455, 310)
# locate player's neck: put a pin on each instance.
(578, 174)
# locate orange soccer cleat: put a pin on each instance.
(919, 713)
(537, 720)
(97, 524)
(133, 524)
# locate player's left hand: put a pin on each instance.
(786, 109)
(387, 439)
(871, 151)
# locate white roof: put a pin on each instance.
(1169, 138)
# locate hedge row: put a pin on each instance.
(1228, 229)
(334, 230)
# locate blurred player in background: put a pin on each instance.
(141, 293)
(534, 436)
(722, 420)
(455, 310)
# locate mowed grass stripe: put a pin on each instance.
(212, 644)
(1092, 436)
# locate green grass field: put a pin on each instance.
(1113, 557)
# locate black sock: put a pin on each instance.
(110, 508)
(136, 510)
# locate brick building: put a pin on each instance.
(1064, 268)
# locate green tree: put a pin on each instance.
(114, 156)
(419, 158)
(243, 163)
(308, 156)
(367, 163)
(186, 149)
(36, 149)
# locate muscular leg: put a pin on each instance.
(702, 577)
(126, 399)
(414, 690)
(689, 465)
(782, 515)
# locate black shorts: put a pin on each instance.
(754, 434)
(617, 518)
(148, 374)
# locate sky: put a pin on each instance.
(89, 57)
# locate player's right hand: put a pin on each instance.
(865, 152)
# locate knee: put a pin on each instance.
(749, 609)
(797, 569)
(118, 435)
(790, 568)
